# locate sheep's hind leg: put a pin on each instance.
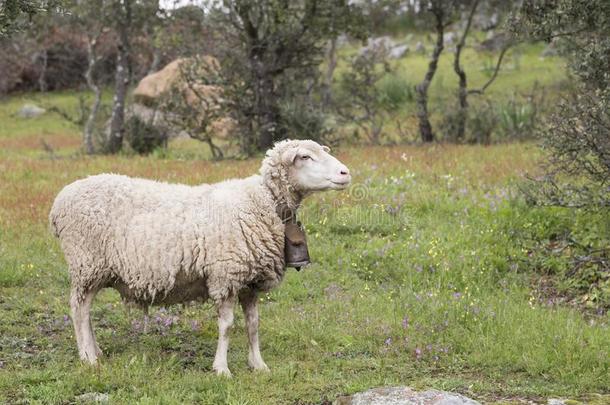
(225, 322)
(248, 301)
(88, 349)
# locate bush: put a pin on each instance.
(304, 121)
(395, 91)
(481, 124)
(143, 137)
(517, 119)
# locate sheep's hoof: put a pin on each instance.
(223, 372)
(91, 361)
(262, 367)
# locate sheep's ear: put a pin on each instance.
(289, 156)
(325, 148)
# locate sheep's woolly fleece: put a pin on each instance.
(164, 243)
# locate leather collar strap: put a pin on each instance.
(286, 214)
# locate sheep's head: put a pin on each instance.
(308, 166)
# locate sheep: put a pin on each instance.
(160, 244)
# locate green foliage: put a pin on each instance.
(482, 122)
(143, 137)
(13, 12)
(304, 120)
(270, 54)
(395, 91)
(517, 118)
(364, 98)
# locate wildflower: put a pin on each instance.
(457, 295)
(388, 341)
(405, 322)
(417, 352)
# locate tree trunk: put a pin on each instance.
(97, 98)
(114, 141)
(42, 78)
(463, 85)
(331, 55)
(156, 61)
(268, 115)
(421, 90)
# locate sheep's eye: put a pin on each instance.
(305, 157)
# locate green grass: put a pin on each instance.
(425, 274)
(420, 279)
(523, 76)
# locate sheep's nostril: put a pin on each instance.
(344, 172)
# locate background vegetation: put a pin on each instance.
(477, 263)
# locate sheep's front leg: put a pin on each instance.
(248, 301)
(225, 322)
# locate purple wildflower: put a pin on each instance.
(405, 322)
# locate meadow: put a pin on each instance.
(424, 274)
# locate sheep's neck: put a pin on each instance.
(287, 200)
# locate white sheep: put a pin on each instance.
(159, 243)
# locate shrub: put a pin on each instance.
(143, 137)
(395, 91)
(304, 121)
(517, 119)
(482, 122)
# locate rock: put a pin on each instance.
(550, 50)
(495, 43)
(377, 45)
(152, 87)
(333, 291)
(30, 111)
(486, 23)
(342, 40)
(221, 128)
(420, 48)
(398, 51)
(404, 396)
(161, 96)
(95, 397)
(449, 38)
(554, 401)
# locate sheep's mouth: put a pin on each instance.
(341, 184)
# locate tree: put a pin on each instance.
(442, 11)
(123, 20)
(363, 104)
(272, 52)
(577, 136)
(463, 91)
(13, 13)
(128, 18)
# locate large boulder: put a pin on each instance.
(161, 96)
(404, 396)
(398, 51)
(153, 87)
(30, 111)
(377, 46)
(495, 44)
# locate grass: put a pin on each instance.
(523, 76)
(419, 279)
(423, 276)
